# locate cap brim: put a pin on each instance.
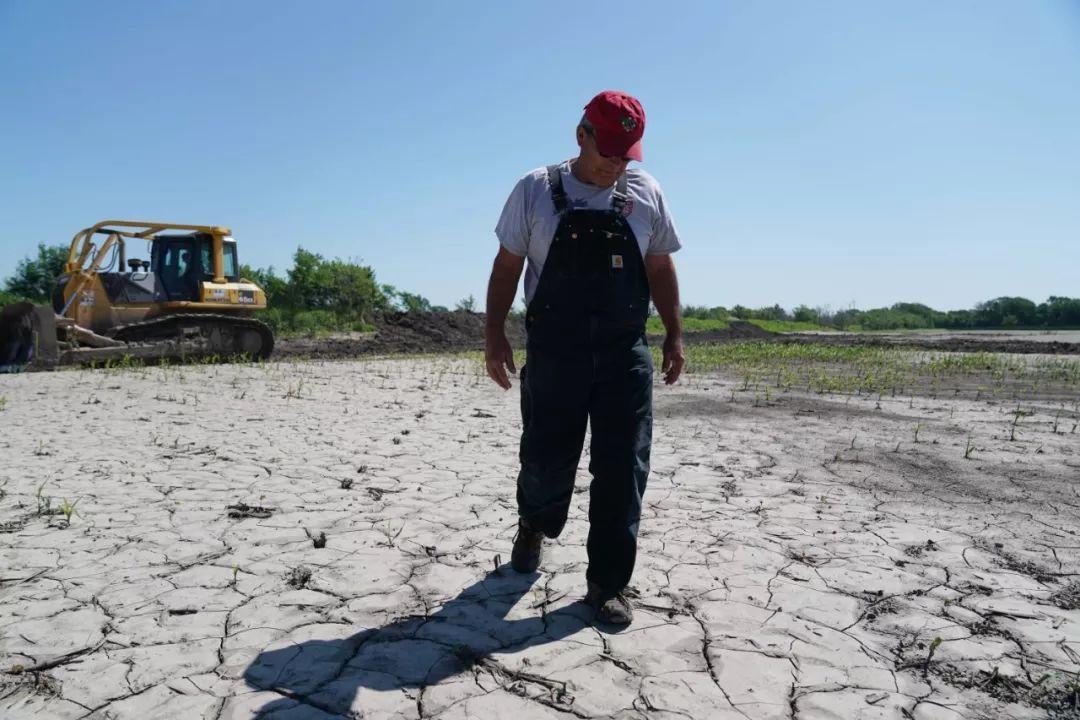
(620, 149)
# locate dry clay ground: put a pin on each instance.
(328, 540)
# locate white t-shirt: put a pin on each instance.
(528, 222)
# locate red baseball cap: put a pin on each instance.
(618, 122)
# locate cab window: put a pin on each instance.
(229, 255)
(206, 255)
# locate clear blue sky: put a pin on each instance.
(825, 153)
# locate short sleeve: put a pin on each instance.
(665, 238)
(513, 226)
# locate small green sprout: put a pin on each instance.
(68, 509)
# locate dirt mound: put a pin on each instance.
(401, 332)
(427, 332)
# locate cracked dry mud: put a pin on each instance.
(801, 558)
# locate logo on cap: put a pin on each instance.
(628, 123)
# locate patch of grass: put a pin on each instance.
(867, 369)
(654, 325)
(789, 326)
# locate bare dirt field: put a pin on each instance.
(330, 540)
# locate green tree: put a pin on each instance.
(958, 319)
(1006, 311)
(411, 302)
(1060, 312)
(804, 313)
(275, 286)
(35, 277)
(346, 288)
(468, 304)
(770, 313)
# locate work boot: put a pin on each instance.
(613, 611)
(528, 549)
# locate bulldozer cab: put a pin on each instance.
(183, 262)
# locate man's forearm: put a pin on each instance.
(500, 297)
(664, 285)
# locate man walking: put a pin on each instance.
(598, 238)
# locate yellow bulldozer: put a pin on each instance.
(143, 290)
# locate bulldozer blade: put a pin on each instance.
(28, 338)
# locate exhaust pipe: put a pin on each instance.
(28, 338)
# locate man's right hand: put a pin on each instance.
(499, 356)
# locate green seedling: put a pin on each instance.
(3, 402)
(68, 509)
(969, 448)
(294, 391)
(930, 655)
(44, 502)
(918, 427)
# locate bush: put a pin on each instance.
(8, 298)
(345, 288)
(34, 278)
(701, 312)
(319, 295)
(775, 313)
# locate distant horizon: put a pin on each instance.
(838, 155)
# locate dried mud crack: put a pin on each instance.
(325, 540)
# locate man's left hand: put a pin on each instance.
(673, 359)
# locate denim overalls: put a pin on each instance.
(587, 359)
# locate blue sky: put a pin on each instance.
(827, 153)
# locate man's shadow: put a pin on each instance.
(412, 652)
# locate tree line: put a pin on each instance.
(998, 313)
(317, 294)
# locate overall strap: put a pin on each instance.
(619, 196)
(558, 194)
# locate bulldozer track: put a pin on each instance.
(224, 335)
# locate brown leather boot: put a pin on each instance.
(528, 549)
(613, 611)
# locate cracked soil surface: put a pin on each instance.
(328, 540)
